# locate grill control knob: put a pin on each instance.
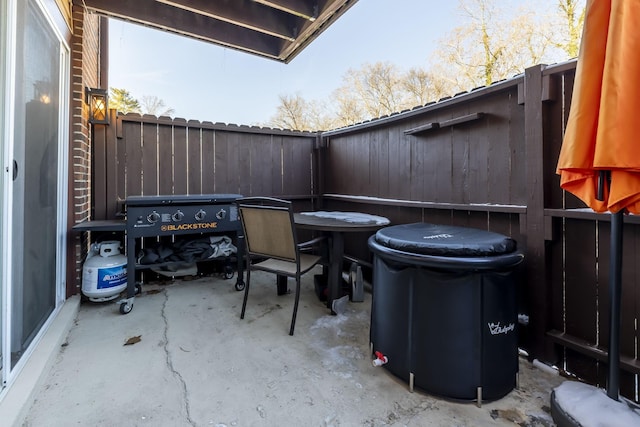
(200, 215)
(153, 217)
(177, 217)
(221, 214)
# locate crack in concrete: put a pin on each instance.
(185, 394)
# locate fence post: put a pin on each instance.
(537, 293)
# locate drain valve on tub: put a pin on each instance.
(380, 359)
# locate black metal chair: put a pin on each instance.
(269, 232)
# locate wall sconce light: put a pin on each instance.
(98, 105)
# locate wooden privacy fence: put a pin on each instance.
(483, 159)
(146, 155)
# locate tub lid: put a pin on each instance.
(444, 240)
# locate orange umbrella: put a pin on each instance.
(600, 137)
(602, 132)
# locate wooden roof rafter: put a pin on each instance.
(276, 29)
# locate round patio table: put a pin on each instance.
(336, 223)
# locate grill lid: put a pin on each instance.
(181, 199)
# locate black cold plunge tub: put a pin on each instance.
(444, 311)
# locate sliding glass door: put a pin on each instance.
(4, 179)
(34, 194)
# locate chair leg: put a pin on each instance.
(295, 306)
(246, 293)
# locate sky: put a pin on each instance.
(203, 81)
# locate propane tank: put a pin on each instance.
(104, 274)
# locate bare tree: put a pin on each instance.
(155, 106)
(375, 88)
(424, 86)
(492, 44)
(349, 109)
(570, 23)
(320, 116)
(477, 52)
(296, 113)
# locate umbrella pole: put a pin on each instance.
(615, 290)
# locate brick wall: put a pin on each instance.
(85, 54)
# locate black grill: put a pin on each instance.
(168, 215)
(150, 216)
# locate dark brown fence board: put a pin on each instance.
(460, 165)
(165, 160)
(120, 170)
(289, 163)
(352, 169)
(297, 163)
(361, 169)
(180, 163)
(345, 175)
(461, 140)
(441, 162)
(630, 297)
(472, 219)
(479, 137)
(399, 164)
(242, 160)
(395, 214)
(149, 159)
(224, 169)
(256, 151)
(194, 158)
(334, 161)
(237, 164)
(438, 216)
(277, 157)
(417, 172)
(584, 367)
(375, 168)
(384, 166)
(555, 275)
(208, 162)
(517, 154)
(554, 132)
(133, 157)
(504, 223)
(263, 162)
(273, 181)
(499, 125)
(581, 291)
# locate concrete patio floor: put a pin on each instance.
(195, 363)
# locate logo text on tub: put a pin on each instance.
(438, 236)
(496, 328)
